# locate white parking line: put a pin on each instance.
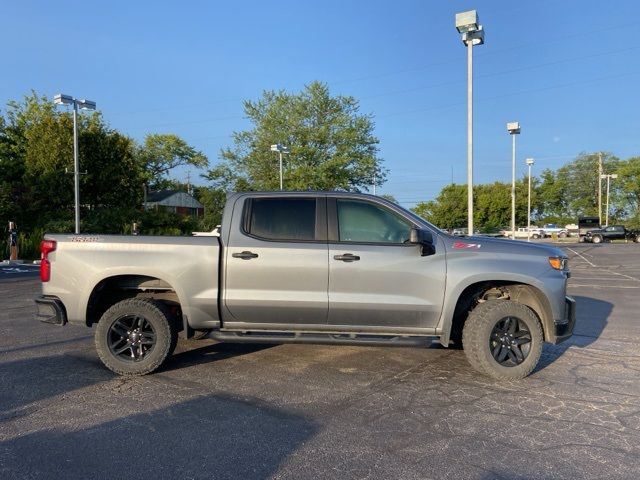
(601, 286)
(581, 256)
(577, 277)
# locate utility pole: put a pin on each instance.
(600, 188)
(608, 177)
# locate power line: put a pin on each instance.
(496, 74)
(588, 31)
(535, 90)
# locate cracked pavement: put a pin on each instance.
(303, 411)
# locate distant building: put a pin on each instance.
(174, 201)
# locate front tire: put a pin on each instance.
(503, 339)
(135, 336)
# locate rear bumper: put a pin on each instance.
(564, 328)
(51, 310)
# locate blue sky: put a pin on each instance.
(568, 71)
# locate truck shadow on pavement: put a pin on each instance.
(28, 381)
(214, 436)
(592, 317)
(196, 353)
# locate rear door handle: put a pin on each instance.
(246, 255)
(347, 257)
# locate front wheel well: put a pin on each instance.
(112, 290)
(480, 292)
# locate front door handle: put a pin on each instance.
(246, 255)
(347, 257)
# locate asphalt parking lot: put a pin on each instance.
(296, 411)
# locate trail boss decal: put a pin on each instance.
(463, 246)
(86, 239)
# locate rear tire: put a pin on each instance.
(135, 336)
(596, 239)
(503, 339)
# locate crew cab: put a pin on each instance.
(310, 267)
(612, 232)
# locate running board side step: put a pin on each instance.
(322, 338)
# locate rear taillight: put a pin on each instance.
(46, 247)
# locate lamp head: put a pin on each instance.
(86, 104)
(513, 128)
(61, 99)
(467, 21)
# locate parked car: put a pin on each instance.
(310, 267)
(549, 229)
(523, 232)
(612, 232)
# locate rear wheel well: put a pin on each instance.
(500, 290)
(115, 289)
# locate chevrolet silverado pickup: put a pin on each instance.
(310, 267)
(612, 232)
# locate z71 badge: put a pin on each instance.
(463, 245)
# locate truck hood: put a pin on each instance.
(500, 245)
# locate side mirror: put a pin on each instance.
(424, 238)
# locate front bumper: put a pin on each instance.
(564, 328)
(51, 310)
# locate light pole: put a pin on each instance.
(472, 34)
(600, 177)
(530, 162)
(280, 149)
(608, 177)
(514, 129)
(61, 99)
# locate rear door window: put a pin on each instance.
(286, 219)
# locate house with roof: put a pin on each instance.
(174, 201)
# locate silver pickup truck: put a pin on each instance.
(310, 267)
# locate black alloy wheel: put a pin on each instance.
(510, 341)
(131, 338)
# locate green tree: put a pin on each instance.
(213, 200)
(629, 181)
(332, 145)
(492, 206)
(36, 151)
(553, 196)
(448, 210)
(161, 153)
(579, 183)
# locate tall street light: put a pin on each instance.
(280, 149)
(530, 162)
(61, 99)
(608, 177)
(514, 129)
(472, 34)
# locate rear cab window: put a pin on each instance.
(292, 219)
